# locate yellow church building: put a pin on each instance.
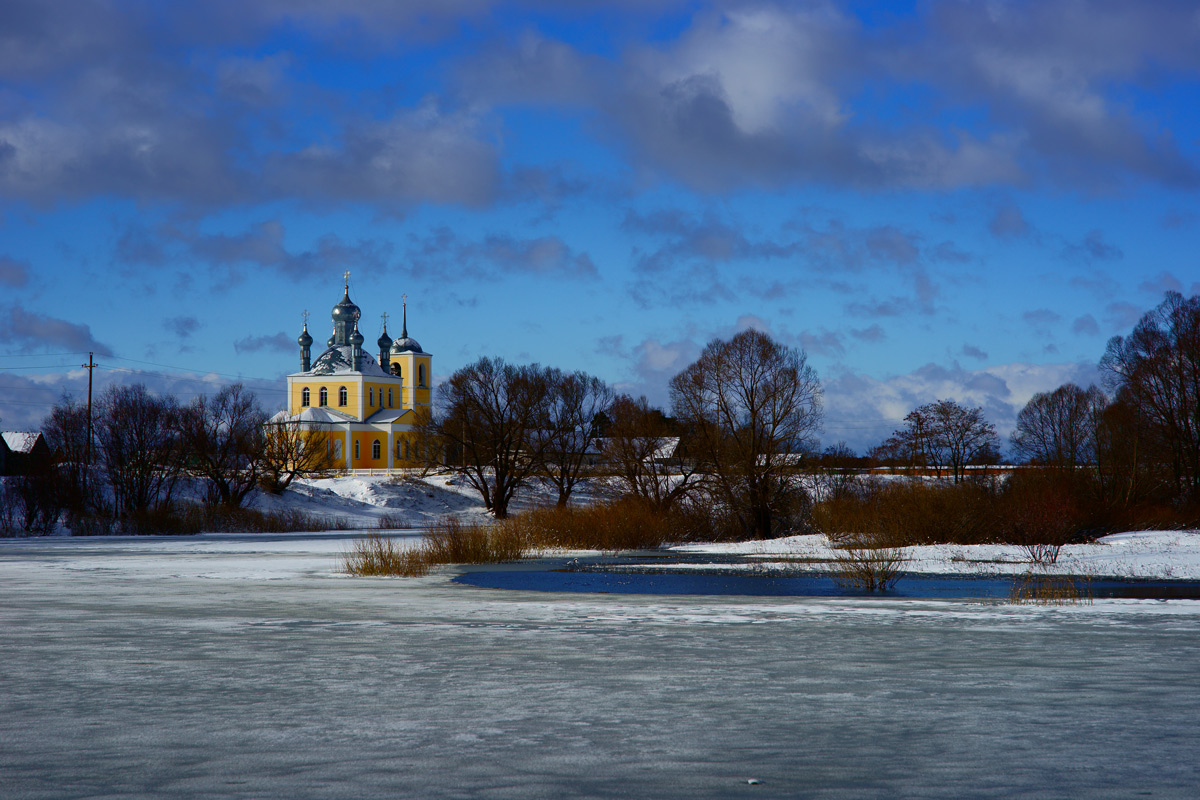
(370, 410)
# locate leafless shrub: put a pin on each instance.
(391, 522)
(862, 563)
(912, 513)
(1039, 512)
(1051, 590)
(627, 524)
(452, 541)
(375, 554)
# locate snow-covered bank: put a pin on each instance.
(413, 502)
(1169, 555)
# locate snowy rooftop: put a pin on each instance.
(338, 360)
(20, 441)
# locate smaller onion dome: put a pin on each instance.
(385, 341)
(304, 340)
(406, 345)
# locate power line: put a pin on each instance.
(37, 355)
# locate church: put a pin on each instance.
(370, 411)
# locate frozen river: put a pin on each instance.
(248, 667)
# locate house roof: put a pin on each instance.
(21, 441)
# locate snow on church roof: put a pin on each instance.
(338, 360)
(313, 414)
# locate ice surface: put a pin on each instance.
(239, 666)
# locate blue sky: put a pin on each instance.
(934, 199)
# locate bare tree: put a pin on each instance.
(1157, 370)
(223, 439)
(489, 411)
(139, 447)
(574, 403)
(66, 432)
(1059, 428)
(755, 406)
(947, 434)
(642, 446)
(292, 450)
(962, 436)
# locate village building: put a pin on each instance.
(21, 451)
(369, 409)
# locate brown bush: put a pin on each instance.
(864, 561)
(627, 524)
(1040, 510)
(449, 541)
(377, 555)
(905, 513)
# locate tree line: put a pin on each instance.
(126, 462)
(743, 422)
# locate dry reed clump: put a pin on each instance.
(1051, 590)
(451, 541)
(374, 554)
(905, 513)
(626, 524)
(448, 541)
(865, 562)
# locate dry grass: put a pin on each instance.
(864, 562)
(448, 541)
(908, 513)
(374, 554)
(1051, 590)
(623, 525)
(627, 524)
(451, 541)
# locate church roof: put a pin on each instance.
(313, 414)
(388, 414)
(339, 360)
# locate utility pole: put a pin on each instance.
(87, 459)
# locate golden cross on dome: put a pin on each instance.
(305, 315)
(385, 316)
(346, 277)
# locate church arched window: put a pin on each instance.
(342, 396)
(421, 375)
(389, 398)
(305, 397)
(337, 447)
(357, 451)
(399, 442)
(375, 449)
(324, 396)
(371, 396)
